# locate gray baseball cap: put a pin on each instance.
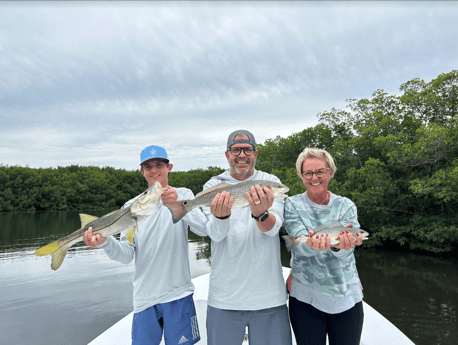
(231, 141)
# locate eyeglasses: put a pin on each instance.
(319, 173)
(149, 166)
(236, 151)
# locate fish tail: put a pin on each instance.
(58, 257)
(48, 249)
(57, 250)
(289, 241)
(178, 210)
(130, 234)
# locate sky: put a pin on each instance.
(93, 83)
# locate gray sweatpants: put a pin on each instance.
(265, 327)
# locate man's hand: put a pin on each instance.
(221, 205)
(169, 196)
(260, 199)
(93, 240)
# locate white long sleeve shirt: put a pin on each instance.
(246, 270)
(160, 249)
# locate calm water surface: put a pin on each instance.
(90, 292)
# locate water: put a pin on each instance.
(90, 292)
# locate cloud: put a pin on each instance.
(94, 83)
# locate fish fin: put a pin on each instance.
(336, 224)
(177, 209)
(48, 249)
(333, 243)
(58, 257)
(86, 219)
(289, 241)
(212, 189)
(131, 233)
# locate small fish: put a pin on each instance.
(333, 231)
(110, 224)
(204, 198)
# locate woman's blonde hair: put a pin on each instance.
(315, 153)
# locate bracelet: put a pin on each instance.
(223, 217)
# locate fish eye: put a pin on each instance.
(185, 202)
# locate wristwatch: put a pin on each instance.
(262, 217)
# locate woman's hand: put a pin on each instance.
(318, 242)
(347, 241)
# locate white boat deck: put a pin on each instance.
(377, 330)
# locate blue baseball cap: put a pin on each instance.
(153, 152)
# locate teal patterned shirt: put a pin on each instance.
(326, 280)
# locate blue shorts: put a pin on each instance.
(177, 319)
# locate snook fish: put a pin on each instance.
(333, 231)
(110, 224)
(204, 198)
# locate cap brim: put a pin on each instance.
(164, 159)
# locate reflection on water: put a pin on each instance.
(21, 231)
(73, 305)
(90, 292)
(419, 294)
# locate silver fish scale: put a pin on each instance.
(336, 228)
(111, 224)
(115, 222)
(237, 192)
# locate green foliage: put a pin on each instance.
(397, 159)
(432, 234)
(79, 187)
(282, 152)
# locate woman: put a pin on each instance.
(325, 293)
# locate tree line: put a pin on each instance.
(396, 158)
(82, 187)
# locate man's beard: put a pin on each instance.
(242, 173)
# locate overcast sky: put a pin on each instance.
(93, 83)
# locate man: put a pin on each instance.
(162, 279)
(246, 281)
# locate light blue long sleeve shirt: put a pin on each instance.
(327, 280)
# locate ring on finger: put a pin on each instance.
(257, 202)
